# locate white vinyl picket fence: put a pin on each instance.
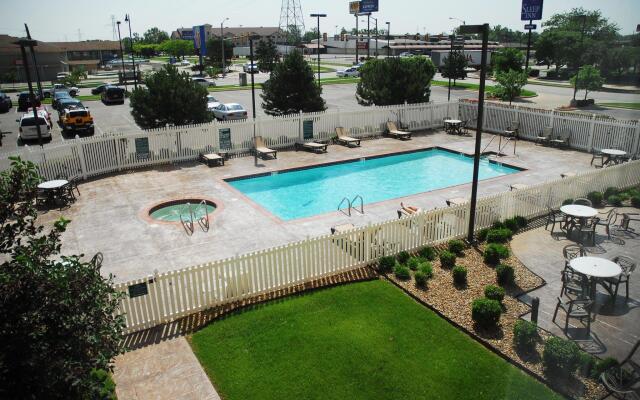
(167, 296)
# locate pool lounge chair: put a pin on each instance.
(396, 133)
(211, 159)
(456, 201)
(344, 139)
(312, 146)
(262, 150)
(407, 211)
(545, 136)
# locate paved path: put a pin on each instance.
(164, 371)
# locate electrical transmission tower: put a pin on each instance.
(291, 20)
(113, 27)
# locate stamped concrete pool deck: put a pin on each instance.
(110, 216)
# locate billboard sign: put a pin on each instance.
(200, 39)
(367, 6)
(354, 7)
(531, 10)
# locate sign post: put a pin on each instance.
(531, 10)
(354, 8)
(200, 43)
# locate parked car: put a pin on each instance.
(99, 89)
(351, 71)
(5, 102)
(28, 129)
(57, 97)
(77, 119)
(43, 109)
(61, 75)
(24, 101)
(250, 68)
(212, 103)
(112, 94)
(59, 87)
(66, 103)
(203, 81)
(406, 54)
(185, 62)
(229, 111)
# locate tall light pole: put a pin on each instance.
(124, 77)
(388, 38)
(32, 98)
(376, 20)
(224, 73)
(133, 63)
(368, 35)
(318, 16)
(575, 83)
(357, 39)
(457, 19)
(484, 30)
(253, 98)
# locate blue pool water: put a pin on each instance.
(317, 190)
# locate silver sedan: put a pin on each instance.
(229, 111)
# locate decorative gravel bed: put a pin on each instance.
(454, 303)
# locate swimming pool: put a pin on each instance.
(306, 192)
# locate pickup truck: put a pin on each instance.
(47, 93)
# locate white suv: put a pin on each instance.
(28, 128)
(250, 68)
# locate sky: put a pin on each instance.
(70, 20)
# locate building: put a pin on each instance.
(239, 36)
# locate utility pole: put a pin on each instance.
(368, 35)
(318, 49)
(224, 73)
(388, 38)
(32, 98)
(253, 98)
(133, 62)
(376, 20)
(35, 64)
(526, 64)
(449, 69)
(357, 39)
(124, 76)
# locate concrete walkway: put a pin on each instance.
(617, 326)
(167, 370)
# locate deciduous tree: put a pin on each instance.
(507, 59)
(588, 79)
(154, 36)
(214, 52)
(177, 47)
(510, 84)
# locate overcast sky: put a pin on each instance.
(62, 20)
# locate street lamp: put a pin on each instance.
(224, 74)
(124, 77)
(318, 16)
(133, 63)
(357, 39)
(388, 33)
(484, 30)
(368, 32)
(376, 19)
(253, 97)
(32, 98)
(457, 19)
(575, 83)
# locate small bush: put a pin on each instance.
(401, 272)
(502, 235)
(428, 252)
(494, 292)
(522, 221)
(614, 200)
(498, 225)
(610, 191)
(456, 247)
(482, 234)
(635, 201)
(624, 196)
(603, 365)
(560, 356)
(414, 262)
(586, 363)
(505, 275)
(386, 264)
(427, 269)
(421, 279)
(567, 201)
(525, 335)
(459, 275)
(447, 259)
(595, 198)
(486, 312)
(511, 224)
(101, 385)
(403, 257)
(494, 252)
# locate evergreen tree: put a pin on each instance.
(267, 55)
(292, 88)
(454, 66)
(214, 51)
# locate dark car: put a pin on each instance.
(99, 89)
(112, 94)
(24, 101)
(67, 103)
(5, 102)
(57, 96)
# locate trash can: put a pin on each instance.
(243, 79)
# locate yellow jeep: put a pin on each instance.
(77, 119)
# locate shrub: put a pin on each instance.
(624, 196)
(403, 257)
(586, 362)
(614, 200)
(521, 221)
(386, 264)
(401, 272)
(525, 334)
(421, 279)
(101, 385)
(447, 259)
(494, 292)
(511, 224)
(635, 201)
(498, 225)
(427, 269)
(610, 191)
(482, 234)
(501, 235)
(505, 275)
(567, 201)
(486, 312)
(428, 252)
(459, 275)
(560, 356)
(414, 262)
(595, 198)
(603, 365)
(456, 247)
(494, 252)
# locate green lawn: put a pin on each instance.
(365, 340)
(629, 106)
(475, 86)
(90, 97)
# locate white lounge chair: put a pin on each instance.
(312, 146)
(397, 133)
(344, 139)
(212, 159)
(261, 149)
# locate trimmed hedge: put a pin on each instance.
(414, 262)
(428, 252)
(567, 201)
(522, 221)
(401, 272)
(511, 224)
(595, 198)
(505, 274)
(447, 259)
(615, 200)
(482, 234)
(459, 275)
(500, 235)
(403, 257)
(486, 312)
(525, 335)
(421, 279)
(494, 252)
(427, 269)
(560, 356)
(610, 191)
(603, 365)
(494, 292)
(456, 247)
(635, 201)
(386, 264)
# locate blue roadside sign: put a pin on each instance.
(200, 39)
(367, 6)
(530, 26)
(531, 10)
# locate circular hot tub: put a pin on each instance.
(170, 211)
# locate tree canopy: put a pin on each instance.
(499, 33)
(395, 80)
(155, 36)
(57, 313)
(507, 59)
(292, 88)
(588, 79)
(510, 84)
(267, 55)
(214, 51)
(170, 98)
(177, 47)
(454, 66)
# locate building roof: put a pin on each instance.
(87, 45)
(438, 47)
(7, 46)
(81, 62)
(311, 46)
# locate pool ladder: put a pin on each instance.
(351, 205)
(187, 220)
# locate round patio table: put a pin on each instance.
(579, 211)
(612, 155)
(596, 269)
(54, 184)
(452, 125)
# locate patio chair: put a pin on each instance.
(626, 218)
(96, 260)
(42, 197)
(211, 159)
(407, 211)
(464, 127)
(588, 230)
(513, 129)
(597, 158)
(545, 136)
(628, 266)
(314, 147)
(344, 138)
(561, 140)
(623, 379)
(394, 132)
(262, 150)
(581, 201)
(609, 220)
(553, 217)
(456, 201)
(572, 251)
(572, 283)
(579, 309)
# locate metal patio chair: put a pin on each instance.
(579, 309)
(628, 265)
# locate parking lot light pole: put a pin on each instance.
(357, 39)
(124, 78)
(368, 35)
(253, 98)
(32, 98)
(318, 16)
(388, 38)
(575, 83)
(224, 74)
(484, 30)
(133, 63)
(376, 20)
